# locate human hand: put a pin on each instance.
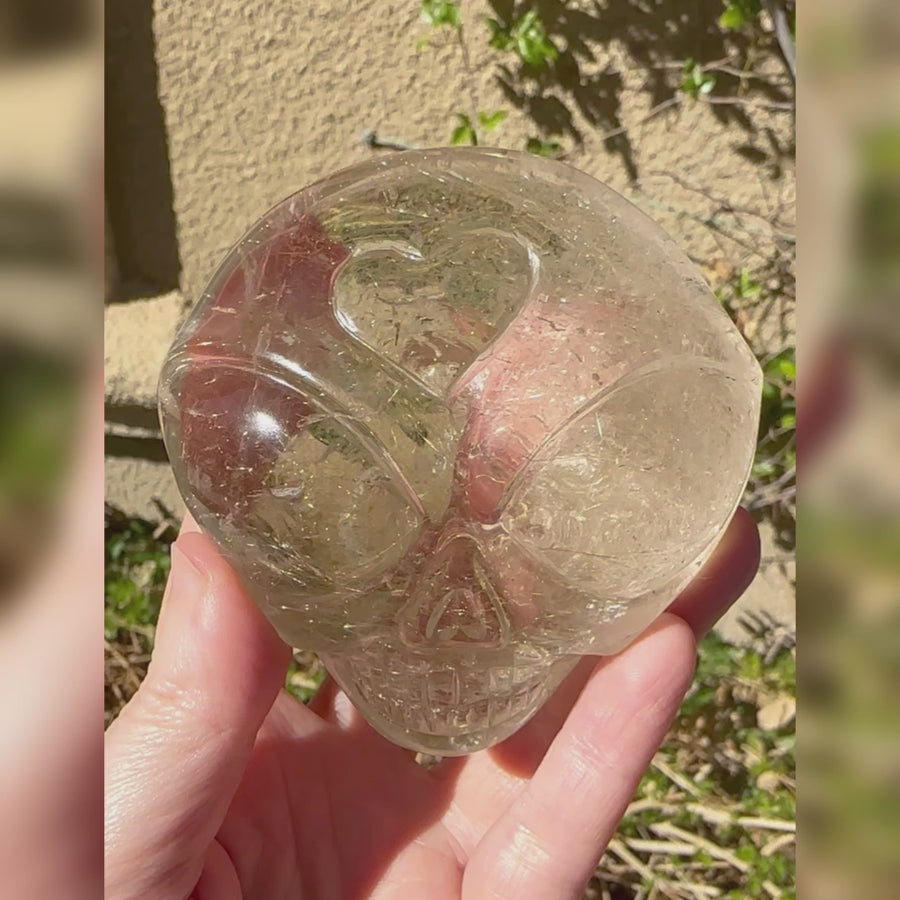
(219, 785)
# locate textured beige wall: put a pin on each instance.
(242, 103)
(263, 96)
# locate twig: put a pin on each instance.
(696, 890)
(723, 204)
(161, 528)
(712, 816)
(723, 225)
(742, 101)
(768, 824)
(667, 848)
(776, 844)
(640, 805)
(739, 73)
(660, 107)
(664, 829)
(675, 778)
(467, 65)
(620, 850)
(126, 665)
(783, 35)
(371, 140)
(764, 498)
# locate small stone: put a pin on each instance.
(777, 713)
(768, 781)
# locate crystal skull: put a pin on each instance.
(457, 418)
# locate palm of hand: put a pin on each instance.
(216, 792)
(330, 812)
(327, 808)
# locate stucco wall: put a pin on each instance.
(263, 96)
(218, 109)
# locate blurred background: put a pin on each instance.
(849, 527)
(50, 166)
(51, 260)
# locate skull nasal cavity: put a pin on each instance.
(455, 603)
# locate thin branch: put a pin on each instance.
(660, 107)
(776, 10)
(665, 829)
(667, 848)
(752, 104)
(370, 139)
(673, 776)
(785, 825)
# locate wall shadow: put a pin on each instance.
(653, 33)
(138, 183)
(151, 449)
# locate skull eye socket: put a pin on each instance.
(335, 503)
(271, 468)
(431, 308)
(648, 474)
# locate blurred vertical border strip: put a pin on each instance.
(51, 259)
(849, 521)
(50, 212)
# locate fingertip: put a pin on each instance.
(595, 763)
(189, 525)
(724, 577)
(199, 549)
(682, 645)
(746, 535)
(667, 652)
(210, 625)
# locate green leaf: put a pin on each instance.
(764, 468)
(440, 12)
(464, 133)
(694, 80)
(500, 39)
(747, 288)
(490, 121)
(732, 19)
(539, 147)
(526, 37)
(739, 13)
(110, 624)
(788, 420)
(788, 368)
(781, 368)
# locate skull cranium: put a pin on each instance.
(458, 417)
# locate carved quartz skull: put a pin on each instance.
(458, 417)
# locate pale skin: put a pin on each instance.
(219, 785)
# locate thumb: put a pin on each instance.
(176, 753)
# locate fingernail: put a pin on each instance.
(182, 616)
(189, 573)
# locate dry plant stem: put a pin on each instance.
(777, 11)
